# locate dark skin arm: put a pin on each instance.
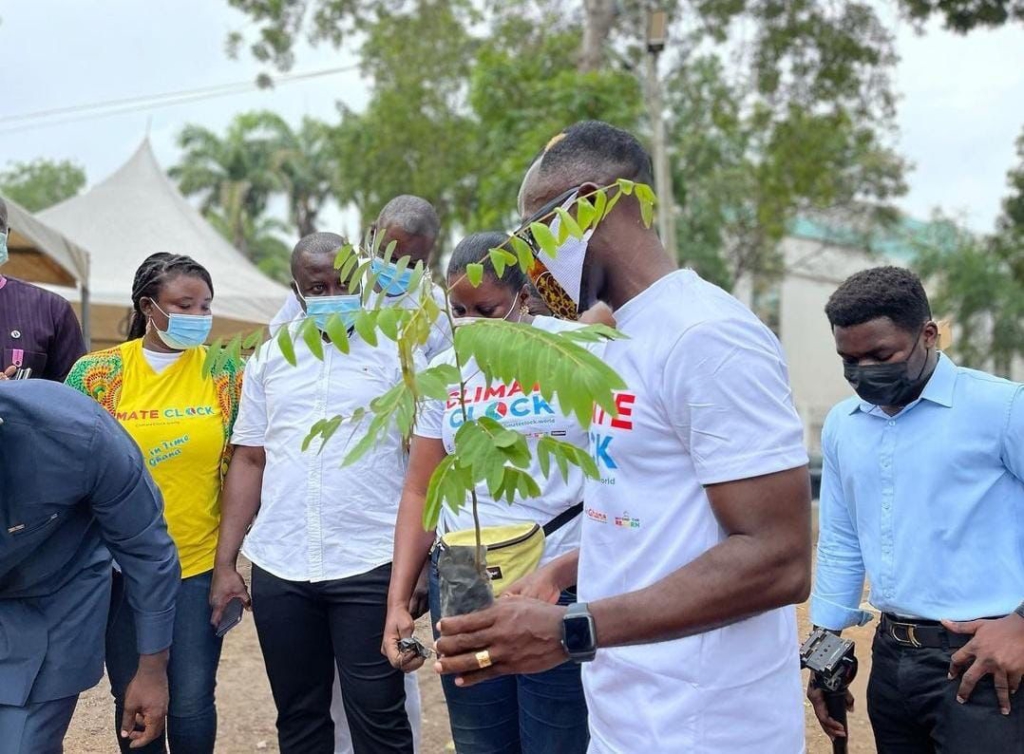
(764, 563)
(145, 701)
(412, 546)
(240, 501)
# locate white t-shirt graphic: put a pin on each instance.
(708, 402)
(524, 410)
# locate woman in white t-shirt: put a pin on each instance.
(532, 714)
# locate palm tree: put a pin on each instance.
(263, 240)
(234, 175)
(305, 164)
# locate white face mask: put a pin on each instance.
(567, 266)
(461, 321)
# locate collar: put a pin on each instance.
(938, 390)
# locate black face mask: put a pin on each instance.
(887, 384)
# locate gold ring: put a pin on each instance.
(483, 659)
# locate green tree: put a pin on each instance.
(965, 15)
(305, 164)
(41, 183)
(979, 281)
(263, 240)
(233, 175)
(525, 88)
(415, 136)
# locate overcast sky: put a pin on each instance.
(961, 107)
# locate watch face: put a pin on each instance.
(578, 636)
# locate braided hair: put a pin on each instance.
(150, 278)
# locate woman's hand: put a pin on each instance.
(399, 625)
(227, 585)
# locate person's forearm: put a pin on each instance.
(412, 546)
(154, 663)
(734, 580)
(564, 569)
(239, 503)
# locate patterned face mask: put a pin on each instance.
(558, 279)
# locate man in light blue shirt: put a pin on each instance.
(923, 492)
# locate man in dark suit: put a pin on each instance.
(74, 490)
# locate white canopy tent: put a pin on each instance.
(138, 211)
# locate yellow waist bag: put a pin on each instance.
(513, 550)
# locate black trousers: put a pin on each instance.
(913, 707)
(304, 629)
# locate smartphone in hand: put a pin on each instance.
(232, 616)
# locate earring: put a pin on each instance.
(524, 311)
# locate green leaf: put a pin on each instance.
(498, 260)
(625, 186)
(524, 253)
(647, 200)
(212, 354)
(387, 321)
(417, 276)
(545, 239)
(312, 337)
(611, 203)
(347, 266)
(284, 342)
(585, 214)
(475, 273)
(344, 254)
(365, 326)
(568, 223)
(337, 332)
(389, 252)
(600, 205)
(253, 340)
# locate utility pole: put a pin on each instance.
(657, 31)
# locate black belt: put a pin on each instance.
(927, 634)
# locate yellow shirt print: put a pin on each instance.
(175, 419)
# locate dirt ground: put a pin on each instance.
(246, 710)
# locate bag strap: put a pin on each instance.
(562, 519)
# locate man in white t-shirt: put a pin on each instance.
(696, 538)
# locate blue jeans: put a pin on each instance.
(540, 713)
(191, 672)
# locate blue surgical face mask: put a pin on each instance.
(346, 306)
(389, 282)
(184, 331)
(3, 248)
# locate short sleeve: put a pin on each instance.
(251, 423)
(727, 394)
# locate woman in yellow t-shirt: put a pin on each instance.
(153, 384)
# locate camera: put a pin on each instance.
(830, 659)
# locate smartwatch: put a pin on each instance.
(578, 635)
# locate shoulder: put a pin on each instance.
(837, 418)
(39, 296)
(45, 405)
(103, 361)
(983, 395)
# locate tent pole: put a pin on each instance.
(86, 318)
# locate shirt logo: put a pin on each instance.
(596, 515)
(625, 521)
(602, 439)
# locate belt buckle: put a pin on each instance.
(909, 629)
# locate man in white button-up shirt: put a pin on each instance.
(322, 540)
